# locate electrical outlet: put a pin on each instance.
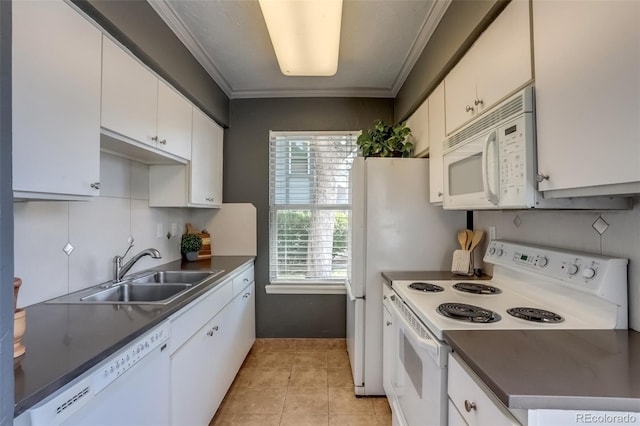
(174, 229)
(159, 230)
(492, 232)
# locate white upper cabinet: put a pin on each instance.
(56, 66)
(174, 122)
(587, 66)
(436, 137)
(139, 106)
(419, 125)
(199, 183)
(498, 64)
(129, 96)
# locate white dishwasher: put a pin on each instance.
(131, 387)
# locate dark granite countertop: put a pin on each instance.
(555, 369)
(63, 341)
(427, 275)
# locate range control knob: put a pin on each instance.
(492, 250)
(542, 261)
(588, 273)
(572, 269)
(499, 252)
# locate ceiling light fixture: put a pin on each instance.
(305, 35)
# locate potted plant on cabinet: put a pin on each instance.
(190, 246)
(385, 140)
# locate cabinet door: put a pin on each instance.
(503, 55)
(56, 100)
(437, 135)
(206, 162)
(174, 122)
(419, 125)
(587, 93)
(388, 345)
(129, 95)
(460, 90)
(196, 371)
(242, 325)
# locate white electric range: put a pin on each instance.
(532, 287)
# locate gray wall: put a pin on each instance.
(246, 179)
(137, 26)
(6, 221)
(461, 25)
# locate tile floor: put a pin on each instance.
(301, 382)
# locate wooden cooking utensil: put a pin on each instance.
(477, 237)
(469, 233)
(462, 239)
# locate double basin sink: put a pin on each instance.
(150, 287)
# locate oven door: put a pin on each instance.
(471, 174)
(418, 377)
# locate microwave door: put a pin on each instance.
(490, 167)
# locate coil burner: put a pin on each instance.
(426, 287)
(469, 313)
(477, 288)
(534, 314)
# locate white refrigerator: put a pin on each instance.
(393, 228)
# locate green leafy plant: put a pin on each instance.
(385, 140)
(190, 243)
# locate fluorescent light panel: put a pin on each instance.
(305, 35)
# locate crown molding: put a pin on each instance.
(312, 93)
(429, 25)
(171, 18)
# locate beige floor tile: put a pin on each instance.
(384, 420)
(274, 360)
(269, 378)
(259, 401)
(243, 378)
(352, 420)
(340, 378)
(381, 406)
(310, 378)
(230, 403)
(338, 359)
(300, 419)
(251, 361)
(306, 401)
(256, 420)
(277, 345)
(317, 359)
(323, 344)
(222, 420)
(344, 401)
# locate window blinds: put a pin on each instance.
(309, 202)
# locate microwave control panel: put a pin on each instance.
(515, 159)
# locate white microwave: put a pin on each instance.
(490, 164)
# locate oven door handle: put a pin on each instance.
(428, 343)
(492, 197)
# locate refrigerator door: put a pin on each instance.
(357, 227)
(355, 341)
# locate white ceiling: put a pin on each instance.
(380, 42)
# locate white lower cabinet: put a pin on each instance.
(471, 402)
(204, 362)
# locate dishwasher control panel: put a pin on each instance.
(118, 364)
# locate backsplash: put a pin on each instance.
(609, 233)
(97, 229)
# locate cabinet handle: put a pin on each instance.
(209, 199)
(154, 138)
(210, 332)
(469, 108)
(541, 176)
(246, 295)
(163, 142)
(95, 185)
(384, 297)
(246, 280)
(388, 323)
(439, 194)
(469, 406)
(478, 102)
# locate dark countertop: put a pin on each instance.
(63, 341)
(555, 369)
(427, 275)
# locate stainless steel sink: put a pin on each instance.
(129, 292)
(147, 287)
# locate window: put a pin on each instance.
(309, 209)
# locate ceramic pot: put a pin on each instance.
(191, 256)
(19, 327)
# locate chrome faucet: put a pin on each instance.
(119, 270)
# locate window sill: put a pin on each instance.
(305, 289)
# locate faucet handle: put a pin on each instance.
(128, 248)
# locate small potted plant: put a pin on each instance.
(385, 140)
(190, 245)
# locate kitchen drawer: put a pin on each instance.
(241, 280)
(186, 322)
(473, 400)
